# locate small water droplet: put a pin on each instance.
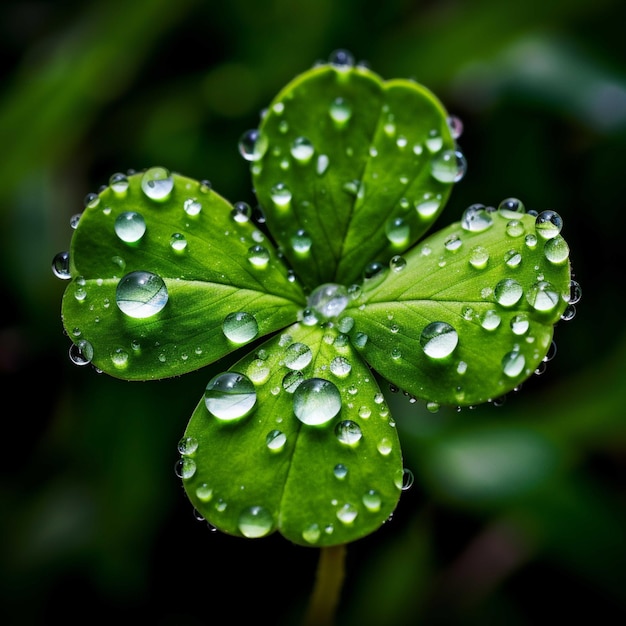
(520, 324)
(372, 500)
(398, 231)
(192, 207)
(340, 366)
(455, 125)
(347, 513)
(476, 218)
(397, 263)
(240, 327)
(281, 195)
(61, 265)
(252, 145)
(241, 212)
(384, 446)
(428, 205)
(130, 226)
(348, 432)
(340, 471)
(453, 243)
(322, 164)
(340, 112)
(434, 141)
(275, 440)
(438, 340)
(292, 381)
(230, 396)
(556, 250)
(513, 363)
(512, 258)
(187, 445)
(448, 166)
(316, 401)
(119, 358)
(490, 320)
(141, 294)
(119, 183)
(81, 352)
(301, 242)
(255, 522)
(511, 208)
(91, 200)
(157, 183)
(404, 479)
(204, 493)
(542, 296)
(515, 228)
(185, 468)
(508, 292)
(328, 300)
(479, 257)
(178, 243)
(341, 58)
(548, 224)
(297, 356)
(258, 256)
(302, 149)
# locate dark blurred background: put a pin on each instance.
(517, 514)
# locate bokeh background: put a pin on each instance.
(517, 514)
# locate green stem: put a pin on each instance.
(328, 583)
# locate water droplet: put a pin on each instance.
(452, 243)
(255, 522)
(512, 258)
(192, 207)
(141, 294)
(438, 340)
(434, 141)
(490, 320)
(511, 208)
(340, 366)
(252, 145)
(515, 228)
(187, 445)
(230, 396)
(372, 500)
(455, 125)
(178, 243)
(556, 250)
(119, 183)
(240, 327)
(575, 292)
(340, 471)
(61, 265)
(548, 224)
(542, 296)
(258, 256)
(348, 432)
(185, 468)
(91, 200)
(292, 381)
(384, 446)
(281, 195)
(298, 356)
(476, 218)
(448, 166)
(301, 242)
(275, 440)
(157, 183)
(398, 231)
(513, 363)
(81, 352)
(360, 339)
(340, 112)
(328, 300)
(302, 149)
(531, 241)
(322, 164)
(428, 205)
(119, 358)
(508, 292)
(241, 212)
(479, 256)
(397, 263)
(404, 479)
(316, 401)
(347, 513)
(341, 58)
(520, 324)
(130, 226)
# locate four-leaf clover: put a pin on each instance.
(327, 293)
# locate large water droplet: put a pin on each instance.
(511, 208)
(542, 296)
(398, 231)
(513, 363)
(275, 440)
(61, 265)
(302, 149)
(372, 500)
(556, 250)
(508, 292)
(298, 356)
(240, 327)
(448, 166)
(252, 145)
(258, 256)
(438, 340)
(281, 195)
(81, 352)
(476, 218)
(230, 396)
(316, 401)
(348, 432)
(255, 521)
(157, 183)
(340, 366)
(141, 294)
(340, 112)
(328, 300)
(301, 242)
(548, 224)
(130, 226)
(479, 257)
(119, 183)
(347, 513)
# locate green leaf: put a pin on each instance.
(271, 466)
(193, 260)
(343, 168)
(467, 315)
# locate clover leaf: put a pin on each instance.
(329, 294)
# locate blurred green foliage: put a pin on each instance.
(517, 513)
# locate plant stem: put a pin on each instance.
(328, 583)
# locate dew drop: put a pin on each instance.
(434, 141)
(515, 228)
(384, 446)
(119, 183)
(548, 224)
(340, 471)
(512, 258)
(490, 320)
(281, 195)
(508, 292)
(292, 381)
(448, 166)
(157, 183)
(556, 250)
(119, 358)
(455, 125)
(91, 200)
(297, 356)
(230, 396)
(542, 296)
(520, 324)
(240, 327)
(130, 226)
(428, 205)
(255, 522)
(241, 212)
(511, 208)
(438, 340)
(372, 500)
(322, 164)
(397, 263)
(479, 257)
(513, 363)
(61, 265)
(398, 231)
(275, 440)
(258, 256)
(316, 401)
(348, 432)
(341, 58)
(301, 242)
(185, 468)
(187, 445)
(452, 243)
(340, 366)
(178, 243)
(404, 479)
(340, 112)
(81, 352)
(476, 218)
(252, 145)
(347, 513)
(302, 149)
(192, 207)
(141, 294)
(328, 300)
